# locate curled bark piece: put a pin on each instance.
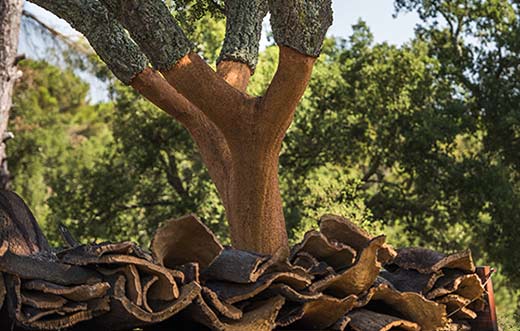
(457, 307)
(366, 320)
(412, 306)
(165, 288)
(35, 267)
(467, 286)
(125, 314)
(19, 227)
(318, 314)
(427, 261)
(55, 319)
(340, 229)
(133, 281)
(106, 248)
(304, 260)
(80, 293)
(357, 278)
(147, 284)
(220, 307)
(406, 280)
(261, 317)
(335, 254)
(190, 272)
(232, 292)
(42, 300)
(237, 266)
(185, 240)
(290, 294)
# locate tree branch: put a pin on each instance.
(105, 35)
(243, 31)
(152, 26)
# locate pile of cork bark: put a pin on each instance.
(337, 278)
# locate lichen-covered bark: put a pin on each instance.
(153, 27)
(243, 31)
(10, 13)
(301, 24)
(106, 36)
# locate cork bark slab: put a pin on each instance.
(366, 320)
(185, 240)
(427, 261)
(335, 254)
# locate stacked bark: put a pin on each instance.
(337, 278)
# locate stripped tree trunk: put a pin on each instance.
(239, 136)
(10, 16)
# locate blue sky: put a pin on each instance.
(377, 14)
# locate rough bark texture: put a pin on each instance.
(239, 136)
(301, 24)
(10, 15)
(243, 31)
(153, 28)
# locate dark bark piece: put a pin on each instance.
(406, 280)
(67, 237)
(80, 293)
(98, 250)
(153, 27)
(457, 307)
(337, 228)
(357, 278)
(237, 266)
(290, 294)
(190, 272)
(243, 31)
(233, 292)
(147, 284)
(366, 320)
(301, 25)
(427, 261)
(106, 36)
(29, 267)
(335, 254)
(262, 317)
(64, 317)
(42, 300)
(468, 286)
(185, 240)
(221, 308)
(19, 227)
(133, 281)
(318, 314)
(126, 315)
(165, 289)
(412, 306)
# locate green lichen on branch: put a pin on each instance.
(106, 36)
(243, 31)
(301, 24)
(152, 26)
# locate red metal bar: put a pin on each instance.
(487, 319)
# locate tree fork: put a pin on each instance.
(239, 136)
